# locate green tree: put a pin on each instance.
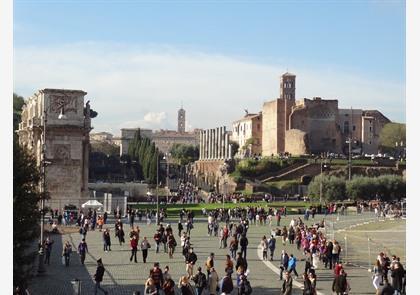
(18, 102)
(105, 147)
(25, 214)
(184, 154)
(391, 134)
(333, 188)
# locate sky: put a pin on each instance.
(139, 61)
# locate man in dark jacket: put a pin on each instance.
(240, 261)
(287, 284)
(340, 283)
(243, 242)
(227, 284)
(284, 262)
(100, 270)
(200, 281)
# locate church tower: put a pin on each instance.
(288, 86)
(181, 120)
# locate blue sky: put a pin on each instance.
(218, 52)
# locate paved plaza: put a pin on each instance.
(124, 277)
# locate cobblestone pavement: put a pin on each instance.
(124, 277)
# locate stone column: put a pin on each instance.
(206, 144)
(222, 145)
(211, 144)
(230, 152)
(226, 142)
(200, 145)
(217, 142)
(214, 144)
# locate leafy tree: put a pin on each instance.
(333, 188)
(105, 147)
(390, 134)
(25, 213)
(184, 154)
(18, 102)
(235, 148)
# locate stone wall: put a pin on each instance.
(297, 142)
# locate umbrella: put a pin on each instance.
(92, 204)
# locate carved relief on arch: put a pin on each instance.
(62, 151)
(68, 103)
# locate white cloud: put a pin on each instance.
(145, 86)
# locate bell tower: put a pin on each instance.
(181, 120)
(288, 86)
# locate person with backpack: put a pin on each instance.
(339, 285)
(307, 286)
(82, 249)
(226, 284)
(244, 287)
(157, 276)
(272, 246)
(200, 281)
(98, 276)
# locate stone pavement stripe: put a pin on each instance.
(276, 270)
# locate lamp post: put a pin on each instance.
(320, 184)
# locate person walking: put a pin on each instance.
(185, 286)
(339, 285)
(157, 238)
(171, 245)
(233, 246)
(150, 288)
(120, 234)
(292, 265)
(190, 260)
(98, 276)
(180, 228)
(284, 263)
(272, 246)
(264, 247)
(107, 240)
(287, 286)
(145, 246)
(226, 284)
(307, 285)
(82, 249)
(67, 250)
(48, 249)
(213, 281)
(377, 275)
(157, 276)
(243, 242)
(209, 263)
(134, 243)
(200, 281)
(229, 264)
(168, 286)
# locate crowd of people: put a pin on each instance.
(230, 226)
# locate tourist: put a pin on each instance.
(48, 249)
(171, 245)
(377, 275)
(328, 255)
(106, 240)
(229, 264)
(200, 281)
(145, 246)
(134, 241)
(243, 242)
(284, 263)
(335, 252)
(292, 265)
(82, 249)
(233, 246)
(190, 260)
(272, 246)
(312, 279)
(166, 273)
(185, 286)
(264, 246)
(287, 286)
(157, 239)
(209, 263)
(213, 281)
(398, 274)
(168, 286)
(241, 262)
(226, 284)
(157, 276)
(339, 285)
(120, 234)
(98, 276)
(67, 250)
(387, 289)
(307, 285)
(150, 288)
(180, 228)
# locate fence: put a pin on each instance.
(363, 239)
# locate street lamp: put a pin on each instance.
(157, 190)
